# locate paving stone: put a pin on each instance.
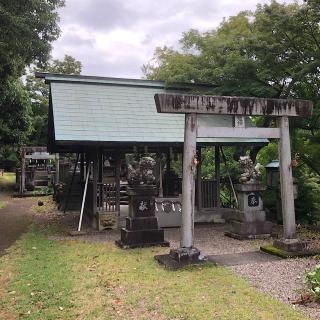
(237, 259)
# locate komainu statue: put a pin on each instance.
(141, 172)
(251, 173)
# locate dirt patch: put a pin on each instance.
(15, 218)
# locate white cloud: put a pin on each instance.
(116, 37)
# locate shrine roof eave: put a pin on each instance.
(127, 146)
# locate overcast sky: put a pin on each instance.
(116, 37)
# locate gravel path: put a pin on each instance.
(282, 279)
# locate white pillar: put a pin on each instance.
(188, 180)
(286, 182)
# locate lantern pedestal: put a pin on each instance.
(251, 220)
(142, 225)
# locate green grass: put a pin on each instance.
(3, 204)
(48, 205)
(43, 279)
(7, 181)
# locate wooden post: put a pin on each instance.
(159, 156)
(188, 187)
(100, 167)
(199, 189)
(287, 199)
(118, 168)
(23, 172)
(81, 167)
(57, 161)
(217, 174)
(167, 176)
(95, 173)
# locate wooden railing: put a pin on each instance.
(208, 193)
(106, 197)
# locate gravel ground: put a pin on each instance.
(282, 279)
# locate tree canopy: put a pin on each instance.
(273, 51)
(28, 28)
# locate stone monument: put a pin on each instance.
(250, 222)
(141, 225)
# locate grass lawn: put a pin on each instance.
(44, 279)
(3, 204)
(7, 181)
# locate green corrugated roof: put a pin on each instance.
(95, 109)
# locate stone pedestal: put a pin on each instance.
(290, 245)
(251, 221)
(181, 257)
(141, 226)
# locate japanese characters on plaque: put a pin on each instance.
(253, 200)
(144, 207)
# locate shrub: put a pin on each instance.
(313, 279)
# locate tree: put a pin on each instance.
(15, 122)
(271, 52)
(39, 93)
(27, 29)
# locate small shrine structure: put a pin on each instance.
(39, 168)
(103, 120)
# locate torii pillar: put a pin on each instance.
(192, 105)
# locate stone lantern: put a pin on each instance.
(250, 221)
(273, 174)
(273, 177)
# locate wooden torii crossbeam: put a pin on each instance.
(191, 105)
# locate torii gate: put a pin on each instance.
(239, 107)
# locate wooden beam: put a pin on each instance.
(226, 132)
(178, 103)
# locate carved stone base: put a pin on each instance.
(254, 228)
(141, 232)
(107, 220)
(290, 245)
(181, 257)
(248, 236)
